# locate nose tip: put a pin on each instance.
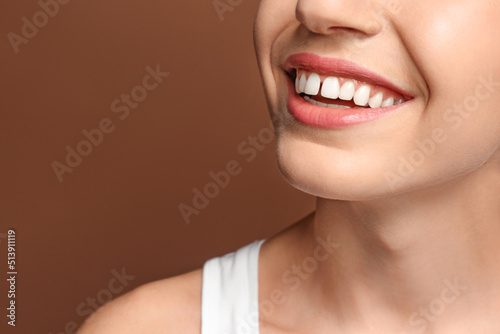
(330, 16)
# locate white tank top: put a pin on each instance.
(229, 298)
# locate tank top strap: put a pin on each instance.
(229, 299)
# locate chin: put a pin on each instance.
(340, 174)
(330, 176)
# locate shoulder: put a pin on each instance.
(167, 306)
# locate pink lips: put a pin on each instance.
(324, 117)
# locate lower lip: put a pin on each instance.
(323, 117)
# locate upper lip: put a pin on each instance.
(340, 68)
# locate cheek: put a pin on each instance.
(452, 41)
(456, 48)
(271, 19)
(271, 22)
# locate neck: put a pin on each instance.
(414, 254)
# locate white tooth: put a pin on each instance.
(297, 84)
(312, 85)
(388, 103)
(399, 101)
(347, 91)
(302, 83)
(376, 100)
(362, 95)
(308, 99)
(331, 88)
(337, 106)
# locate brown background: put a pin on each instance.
(119, 207)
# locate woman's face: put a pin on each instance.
(441, 59)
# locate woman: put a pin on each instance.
(386, 110)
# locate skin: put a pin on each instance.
(401, 240)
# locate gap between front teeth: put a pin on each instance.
(330, 88)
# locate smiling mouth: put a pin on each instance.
(333, 93)
(342, 92)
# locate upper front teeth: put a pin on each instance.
(347, 90)
(362, 95)
(331, 88)
(344, 89)
(376, 100)
(312, 84)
